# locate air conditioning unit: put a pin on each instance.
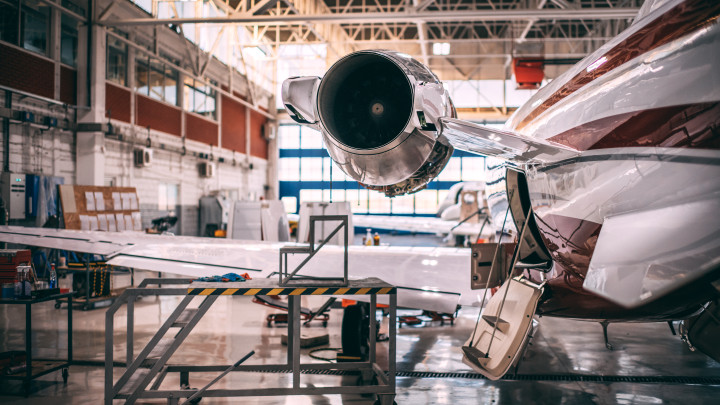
(207, 169)
(268, 131)
(142, 157)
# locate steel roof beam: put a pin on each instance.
(376, 17)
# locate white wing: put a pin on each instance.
(436, 279)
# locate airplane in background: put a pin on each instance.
(612, 180)
(460, 216)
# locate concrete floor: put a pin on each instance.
(235, 326)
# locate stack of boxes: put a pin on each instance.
(9, 260)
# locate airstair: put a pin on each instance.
(504, 326)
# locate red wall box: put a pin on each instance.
(201, 130)
(258, 144)
(158, 115)
(23, 71)
(233, 125)
(117, 102)
(68, 85)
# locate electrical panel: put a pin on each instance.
(12, 189)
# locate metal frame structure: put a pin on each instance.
(50, 366)
(287, 279)
(151, 362)
(483, 35)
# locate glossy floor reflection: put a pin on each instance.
(235, 326)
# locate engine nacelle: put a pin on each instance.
(378, 112)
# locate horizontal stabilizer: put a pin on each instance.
(643, 255)
(506, 145)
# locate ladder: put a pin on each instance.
(153, 358)
(504, 329)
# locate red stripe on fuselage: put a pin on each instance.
(685, 126)
(675, 23)
(572, 243)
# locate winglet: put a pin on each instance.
(506, 145)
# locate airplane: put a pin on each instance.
(464, 199)
(611, 185)
(612, 177)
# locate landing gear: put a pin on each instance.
(65, 373)
(605, 335)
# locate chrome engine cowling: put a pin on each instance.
(378, 112)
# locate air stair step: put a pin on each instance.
(502, 325)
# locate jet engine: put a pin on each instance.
(378, 112)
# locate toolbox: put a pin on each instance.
(9, 260)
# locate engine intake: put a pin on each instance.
(378, 112)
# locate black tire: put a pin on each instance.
(355, 331)
(57, 305)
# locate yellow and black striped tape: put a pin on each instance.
(291, 291)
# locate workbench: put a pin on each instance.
(36, 368)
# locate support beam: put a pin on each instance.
(397, 17)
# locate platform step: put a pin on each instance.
(134, 382)
(160, 348)
(185, 317)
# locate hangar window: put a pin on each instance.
(337, 174)
(311, 169)
(156, 80)
(289, 137)
(289, 169)
(117, 59)
(311, 139)
(403, 204)
(358, 200)
(199, 97)
(35, 26)
(69, 41)
(9, 21)
(451, 172)
(378, 203)
(426, 202)
(473, 169)
(290, 204)
(167, 196)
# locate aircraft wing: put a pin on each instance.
(101, 243)
(427, 278)
(435, 279)
(421, 225)
(506, 145)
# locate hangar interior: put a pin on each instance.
(168, 142)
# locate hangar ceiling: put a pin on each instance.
(482, 35)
